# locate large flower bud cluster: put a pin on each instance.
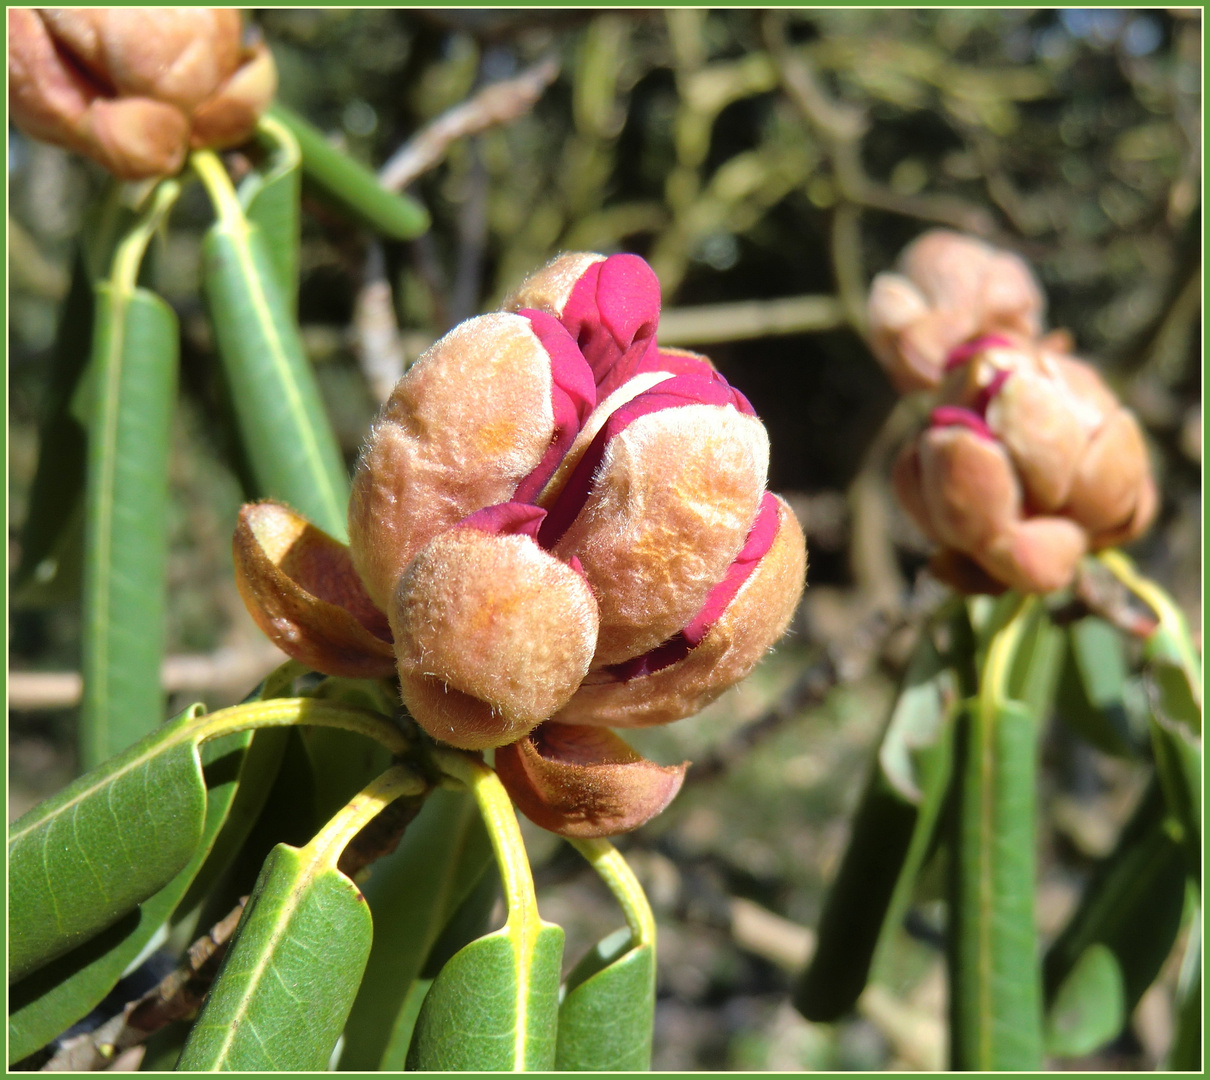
(564, 528)
(949, 289)
(1028, 460)
(136, 88)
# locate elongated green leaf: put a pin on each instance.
(56, 996)
(350, 184)
(891, 835)
(1091, 696)
(126, 546)
(605, 1018)
(1038, 662)
(88, 855)
(995, 990)
(56, 497)
(270, 196)
(1132, 906)
(291, 973)
(494, 1007)
(1089, 1008)
(412, 895)
(283, 425)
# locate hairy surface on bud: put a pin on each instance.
(672, 499)
(1029, 464)
(949, 288)
(300, 587)
(729, 644)
(585, 782)
(135, 88)
(495, 618)
(472, 418)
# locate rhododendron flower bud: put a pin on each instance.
(136, 88)
(1030, 462)
(567, 529)
(949, 289)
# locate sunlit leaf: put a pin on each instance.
(282, 422)
(292, 970)
(126, 536)
(494, 1007)
(605, 1018)
(412, 895)
(53, 998)
(995, 990)
(271, 195)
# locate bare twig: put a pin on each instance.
(712, 323)
(376, 339)
(841, 128)
(178, 995)
(498, 103)
(228, 668)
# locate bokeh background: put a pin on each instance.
(767, 164)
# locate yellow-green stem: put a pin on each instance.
(326, 846)
(501, 822)
(219, 187)
(286, 712)
(128, 257)
(607, 861)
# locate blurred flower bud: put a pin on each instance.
(1029, 462)
(562, 520)
(135, 88)
(949, 288)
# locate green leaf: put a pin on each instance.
(1132, 905)
(412, 895)
(1186, 1051)
(1091, 696)
(350, 184)
(605, 1018)
(56, 996)
(292, 970)
(995, 991)
(283, 426)
(126, 536)
(494, 1007)
(891, 835)
(270, 196)
(1037, 664)
(290, 974)
(56, 496)
(1089, 1008)
(85, 857)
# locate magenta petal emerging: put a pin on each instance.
(506, 519)
(612, 313)
(956, 416)
(965, 352)
(573, 396)
(677, 647)
(700, 388)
